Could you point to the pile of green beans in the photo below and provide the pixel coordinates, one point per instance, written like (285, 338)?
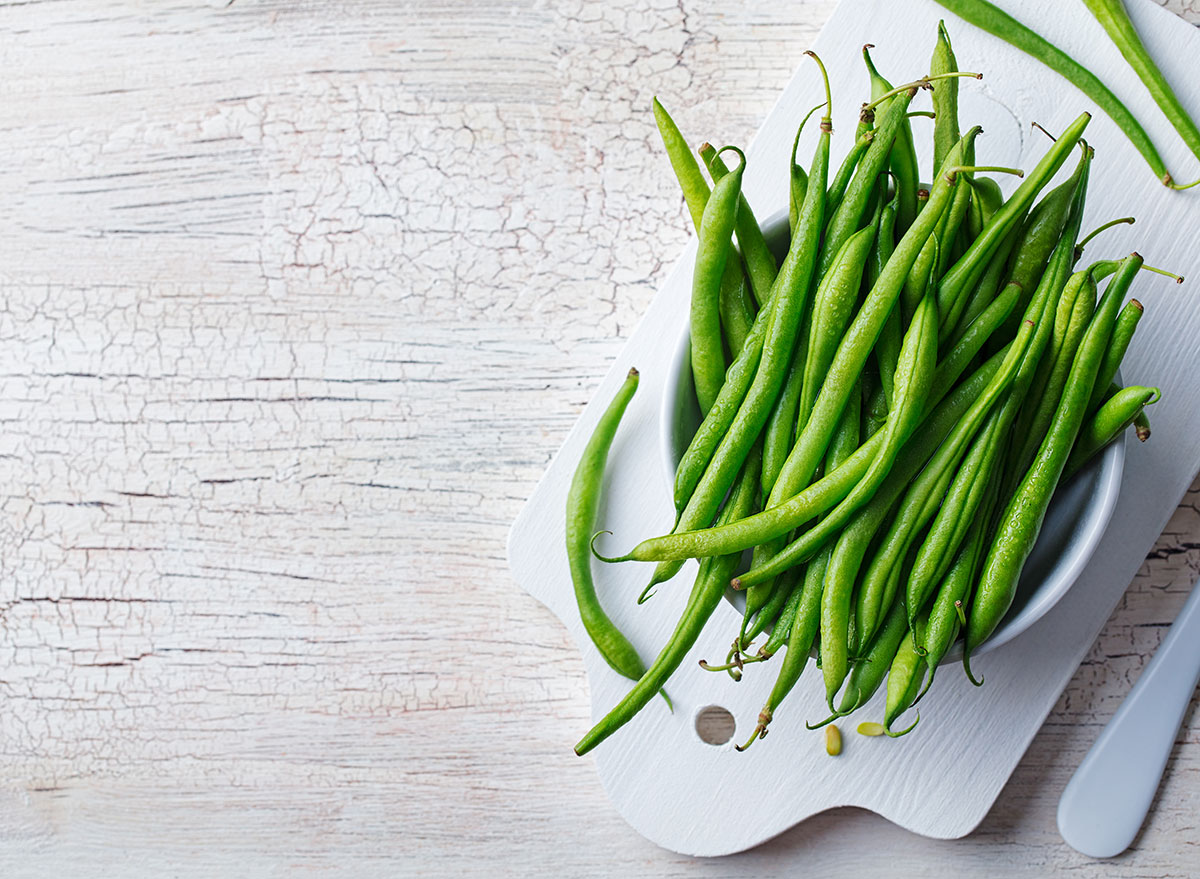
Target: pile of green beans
(887, 412)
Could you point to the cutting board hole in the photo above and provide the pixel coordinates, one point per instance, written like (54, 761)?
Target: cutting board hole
(715, 725)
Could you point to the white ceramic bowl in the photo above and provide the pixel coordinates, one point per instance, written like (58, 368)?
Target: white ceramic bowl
(1074, 524)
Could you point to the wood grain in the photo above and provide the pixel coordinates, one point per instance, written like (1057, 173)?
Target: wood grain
(300, 299)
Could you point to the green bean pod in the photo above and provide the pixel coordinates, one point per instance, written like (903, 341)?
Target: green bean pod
(736, 311)
(1022, 518)
(712, 253)
(1127, 322)
(905, 676)
(989, 282)
(760, 262)
(902, 159)
(583, 500)
(945, 98)
(707, 592)
(1107, 423)
(781, 426)
(683, 162)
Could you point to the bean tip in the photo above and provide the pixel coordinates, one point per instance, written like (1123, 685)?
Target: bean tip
(736, 583)
(633, 372)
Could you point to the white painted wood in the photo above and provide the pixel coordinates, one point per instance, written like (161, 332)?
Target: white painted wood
(940, 782)
(300, 299)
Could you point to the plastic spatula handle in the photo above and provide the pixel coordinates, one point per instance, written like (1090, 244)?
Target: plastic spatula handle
(1107, 799)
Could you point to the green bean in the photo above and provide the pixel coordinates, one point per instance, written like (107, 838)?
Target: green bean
(957, 281)
(875, 406)
(687, 169)
(707, 593)
(583, 500)
(823, 495)
(905, 676)
(1108, 423)
(1127, 321)
(760, 262)
(1000, 24)
(986, 199)
(737, 315)
(788, 299)
(797, 177)
(903, 157)
(716, 229)
(845, 171)
(1022, 518)
(945, 99)
(920, 276)
(1115, 20)
(781, 426)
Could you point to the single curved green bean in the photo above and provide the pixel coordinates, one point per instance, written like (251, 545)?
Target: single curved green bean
(1022, 518)
(707, 592)
(1127, 321)
(683, 162)
(945, 98)
(1107, 423)
(904, 678)
(1000, 24)
(761, 267)
(712, 253)
(583, 500)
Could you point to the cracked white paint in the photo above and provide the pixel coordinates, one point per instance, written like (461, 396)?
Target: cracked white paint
(299, 300)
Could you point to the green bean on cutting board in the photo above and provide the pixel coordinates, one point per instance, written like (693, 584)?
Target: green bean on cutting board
(888, 412)
(583, 500)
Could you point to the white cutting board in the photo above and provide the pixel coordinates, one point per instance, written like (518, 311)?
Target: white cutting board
(701, 799)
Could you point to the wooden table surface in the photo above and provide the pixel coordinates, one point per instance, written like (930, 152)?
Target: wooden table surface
(300, 298)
